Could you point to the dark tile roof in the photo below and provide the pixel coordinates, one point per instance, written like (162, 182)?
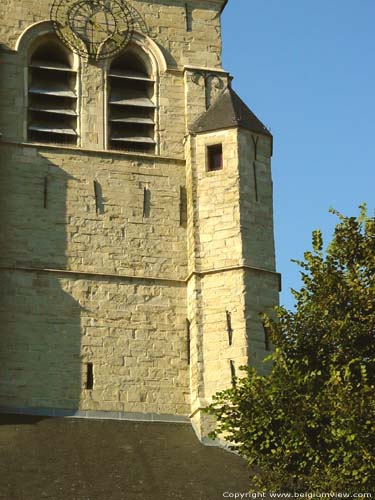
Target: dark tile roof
(228, 111)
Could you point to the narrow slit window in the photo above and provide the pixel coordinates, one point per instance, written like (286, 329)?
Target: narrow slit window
(45, 192)
(233, 372)
(146, 203)
(267, 343)
(255, 181)
(229, 328)
(52, 95)
(183, 206)
(89, 376)
(214, 157)
(98, 193)
(188, 340)
(188, 18)
(131, 107)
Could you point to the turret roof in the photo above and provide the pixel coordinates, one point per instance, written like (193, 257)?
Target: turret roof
(224, 5)
(228, 111)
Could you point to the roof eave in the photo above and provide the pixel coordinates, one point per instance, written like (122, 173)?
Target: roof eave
(269, 136)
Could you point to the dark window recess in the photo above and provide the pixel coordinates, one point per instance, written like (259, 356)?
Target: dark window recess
(146, 203)
(183, 206)
(233, 372)
(188, 340)
(52, 97)
(214, 157)
(229, 327)
(130, 105)
(89, 376)
(45, 192)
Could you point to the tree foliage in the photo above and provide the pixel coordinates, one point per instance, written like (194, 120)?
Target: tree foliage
(310, 424)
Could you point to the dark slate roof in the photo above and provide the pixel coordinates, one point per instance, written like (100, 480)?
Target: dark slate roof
(112, 459)
(228, 111)
(224, 5)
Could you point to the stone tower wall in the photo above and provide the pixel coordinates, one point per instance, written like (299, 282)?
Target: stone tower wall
(89, 277)
(117, 295)
(148, 291)
(133, 331)
(262, 283)
(231, 261)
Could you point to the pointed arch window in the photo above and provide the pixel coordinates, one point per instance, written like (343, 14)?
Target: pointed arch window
(52, 94)
(131, 106)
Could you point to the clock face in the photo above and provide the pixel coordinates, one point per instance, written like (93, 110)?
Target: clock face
(95, 28)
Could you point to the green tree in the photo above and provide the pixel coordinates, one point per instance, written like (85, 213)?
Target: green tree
(310, 424)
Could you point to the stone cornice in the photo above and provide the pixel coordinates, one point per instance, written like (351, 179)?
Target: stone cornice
(104, 152)
(111, 276)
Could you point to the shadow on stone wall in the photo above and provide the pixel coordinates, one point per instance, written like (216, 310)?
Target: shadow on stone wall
(40, 330)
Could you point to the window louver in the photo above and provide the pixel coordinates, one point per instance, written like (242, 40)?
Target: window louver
(52, 111)
(131, 108)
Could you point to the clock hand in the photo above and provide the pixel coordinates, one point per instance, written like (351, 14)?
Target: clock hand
(94, 24)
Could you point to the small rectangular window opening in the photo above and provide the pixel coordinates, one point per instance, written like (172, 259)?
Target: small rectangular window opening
(89, 376)
(214, 157)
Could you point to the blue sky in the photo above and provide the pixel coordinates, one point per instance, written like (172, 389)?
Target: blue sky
(306, 68)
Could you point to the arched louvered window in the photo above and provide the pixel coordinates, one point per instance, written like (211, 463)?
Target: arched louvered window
(52, 94)
(131, 105)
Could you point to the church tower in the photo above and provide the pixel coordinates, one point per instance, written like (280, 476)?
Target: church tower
(136, 213)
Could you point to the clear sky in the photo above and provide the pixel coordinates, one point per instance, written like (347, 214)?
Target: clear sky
(306, 68)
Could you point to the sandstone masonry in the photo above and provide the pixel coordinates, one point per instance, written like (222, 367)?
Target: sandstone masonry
(146, 268)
